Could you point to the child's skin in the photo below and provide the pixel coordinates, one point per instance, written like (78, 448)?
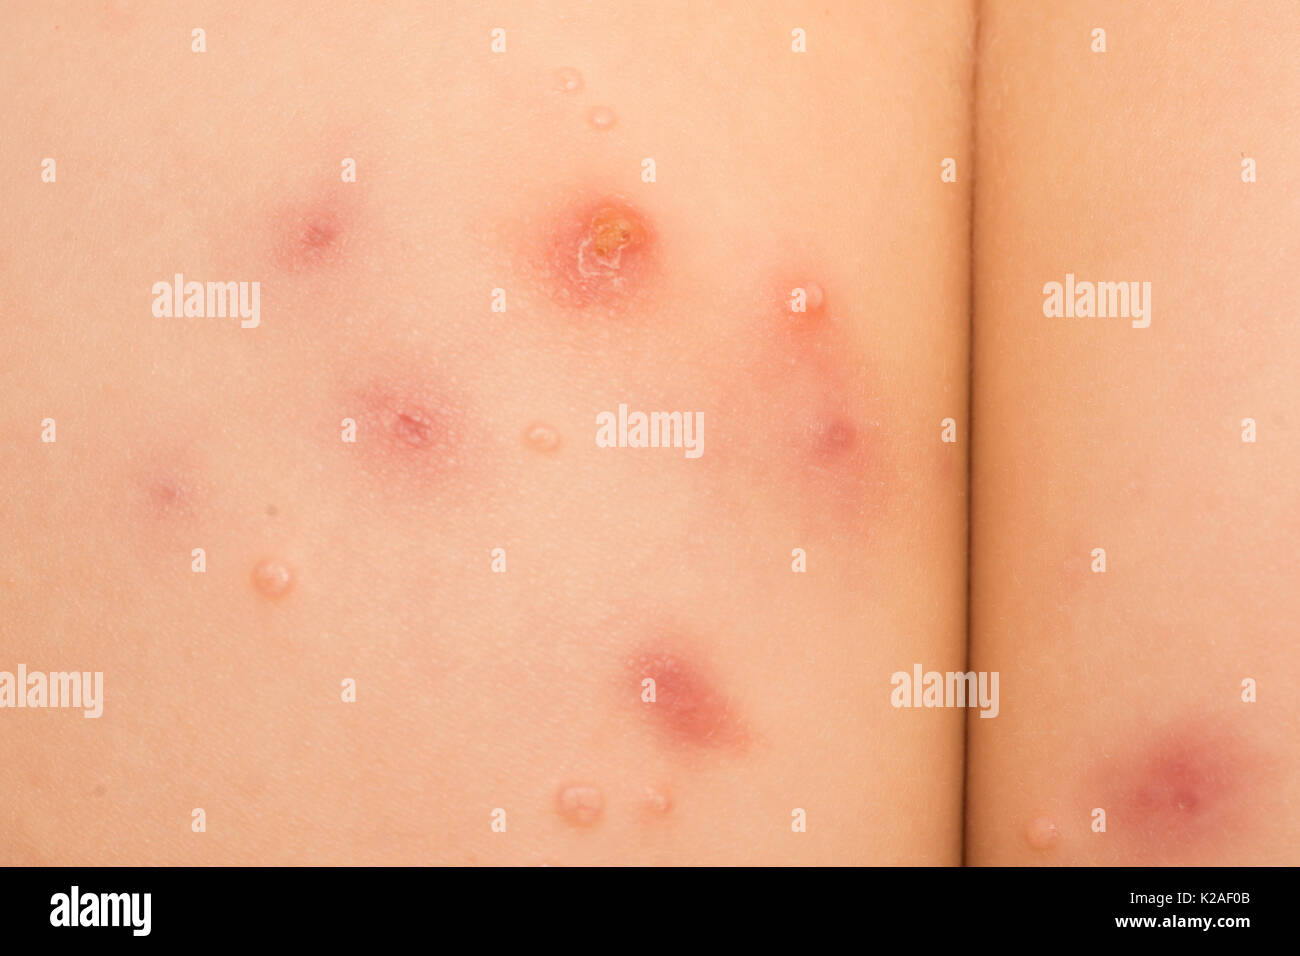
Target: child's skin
(475, 430)
(1122, 691)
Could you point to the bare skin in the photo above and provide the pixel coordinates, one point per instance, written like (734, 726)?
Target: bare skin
(1128, 691)
(373, 560)
(498, 587)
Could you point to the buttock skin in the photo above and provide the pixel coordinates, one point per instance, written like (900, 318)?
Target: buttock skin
(362, 584)
(1133, 535)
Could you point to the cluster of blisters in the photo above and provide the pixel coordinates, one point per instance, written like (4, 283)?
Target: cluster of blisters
(677, 702)
(593, 253)
(583, 804)
(580, 804)
(568, 80)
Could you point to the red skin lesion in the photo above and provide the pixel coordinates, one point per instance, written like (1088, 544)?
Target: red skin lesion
(807, 428)
(689, 710)
(598, 252)
(833, 437)
(803, 416)
(165, 496)
(413, 424)
(316, 232)
(310, 237)
(411, 428)
(1187, 789)
(170, 474)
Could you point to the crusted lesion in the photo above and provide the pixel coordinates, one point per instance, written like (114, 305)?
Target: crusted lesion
(597, 252)
(612, 231)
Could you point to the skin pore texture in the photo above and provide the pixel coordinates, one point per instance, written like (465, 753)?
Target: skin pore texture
(568, 654)
(1159, 692)
(395, 482)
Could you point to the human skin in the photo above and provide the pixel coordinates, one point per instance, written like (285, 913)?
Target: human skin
(1123, 691)
(480, 691)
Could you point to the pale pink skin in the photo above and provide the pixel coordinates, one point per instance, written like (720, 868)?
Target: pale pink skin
(1123, 691)
(479, 692)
